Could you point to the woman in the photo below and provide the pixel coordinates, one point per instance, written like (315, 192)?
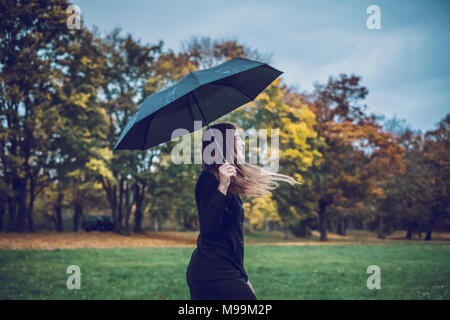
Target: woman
(216, 269)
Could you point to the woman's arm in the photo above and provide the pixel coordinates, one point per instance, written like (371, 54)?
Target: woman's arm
(213, 198)
(212, 203)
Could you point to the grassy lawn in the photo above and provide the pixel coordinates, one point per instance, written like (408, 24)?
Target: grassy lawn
(408, 271)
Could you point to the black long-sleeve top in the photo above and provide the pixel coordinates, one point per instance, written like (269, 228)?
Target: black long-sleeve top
(220, 244)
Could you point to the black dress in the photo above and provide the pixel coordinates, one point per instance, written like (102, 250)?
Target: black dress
(219, 256)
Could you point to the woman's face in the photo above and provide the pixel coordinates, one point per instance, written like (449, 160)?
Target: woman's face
(240, 145)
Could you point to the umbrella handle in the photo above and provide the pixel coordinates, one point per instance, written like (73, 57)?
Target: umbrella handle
(204, 118)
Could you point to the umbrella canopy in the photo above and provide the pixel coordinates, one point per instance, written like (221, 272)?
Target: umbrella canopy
(203, 95)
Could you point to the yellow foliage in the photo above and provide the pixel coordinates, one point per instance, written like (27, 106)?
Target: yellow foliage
(260, 210)
(166, 65)
(80, 99)
(99, 164)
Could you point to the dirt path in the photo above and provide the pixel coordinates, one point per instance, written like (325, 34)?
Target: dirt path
(74, 240)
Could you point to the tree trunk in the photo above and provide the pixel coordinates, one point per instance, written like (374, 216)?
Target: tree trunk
(138, 214)
(286, 232)
(120, 206)
(111, 192)
(127, 210)
(380, 227)
(21, 202)
(409, 233)
(78, 214)
(117, 228)
(30, 208)
(323, 226)
(266, 225)
(21, 214)
(58, 212)
(342, 227)
(2, 213)
(127, 221)
(431, 224)
(12, 216)
(323, 220)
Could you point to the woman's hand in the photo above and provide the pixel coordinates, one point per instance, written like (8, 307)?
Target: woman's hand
(251, 287)
(226, 171)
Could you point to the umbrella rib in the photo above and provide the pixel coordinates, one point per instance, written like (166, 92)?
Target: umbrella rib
(230, 86)
(193, 74)
(192, 113)
(242, 93)
(198, 107)
(237, 91)
(146, 132)
(125, 133)
(196, 79)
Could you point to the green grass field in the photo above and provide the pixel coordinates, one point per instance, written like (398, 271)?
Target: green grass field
(408, 271)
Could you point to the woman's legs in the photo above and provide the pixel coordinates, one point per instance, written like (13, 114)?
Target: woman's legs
(227, 289)
(198, 292)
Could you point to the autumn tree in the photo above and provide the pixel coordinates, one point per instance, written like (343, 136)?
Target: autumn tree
(282, 110)
(128, 67)
(437, 161)
(359, 157)
(48, 119)
(402, 203)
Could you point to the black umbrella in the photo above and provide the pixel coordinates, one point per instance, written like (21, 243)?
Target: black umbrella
(203, 95)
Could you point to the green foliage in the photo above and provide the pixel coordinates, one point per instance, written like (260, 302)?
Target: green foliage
(50, 124)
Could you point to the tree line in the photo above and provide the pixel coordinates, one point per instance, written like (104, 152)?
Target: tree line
(67, 94)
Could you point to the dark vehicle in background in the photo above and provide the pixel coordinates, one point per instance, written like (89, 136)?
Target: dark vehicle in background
(97, 223)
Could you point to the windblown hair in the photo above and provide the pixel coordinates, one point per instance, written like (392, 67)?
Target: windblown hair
(251, 181)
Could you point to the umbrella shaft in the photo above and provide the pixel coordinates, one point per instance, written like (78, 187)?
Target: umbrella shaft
(204, 118)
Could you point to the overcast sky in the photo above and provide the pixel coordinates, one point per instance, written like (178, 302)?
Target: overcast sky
(405, 64)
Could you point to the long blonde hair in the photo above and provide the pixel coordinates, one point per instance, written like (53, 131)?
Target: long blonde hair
(251, 181)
